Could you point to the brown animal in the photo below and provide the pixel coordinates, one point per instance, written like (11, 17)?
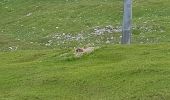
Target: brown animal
(79, 50)
(86, 50)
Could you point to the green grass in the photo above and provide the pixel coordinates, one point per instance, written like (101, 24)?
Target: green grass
(34, 70)
(137, 72)
(31, 21)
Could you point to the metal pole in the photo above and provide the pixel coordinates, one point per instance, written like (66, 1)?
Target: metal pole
(127, 18)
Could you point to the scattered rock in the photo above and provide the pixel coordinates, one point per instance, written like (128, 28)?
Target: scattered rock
(13, 48)
(29, 14)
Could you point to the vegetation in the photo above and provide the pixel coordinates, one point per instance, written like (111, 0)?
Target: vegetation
(37, 65)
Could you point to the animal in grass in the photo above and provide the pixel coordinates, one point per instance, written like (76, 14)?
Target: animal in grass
(79, 50)
(85, 50)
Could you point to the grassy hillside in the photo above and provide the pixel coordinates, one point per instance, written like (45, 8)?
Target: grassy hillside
(110, 73)
(37, 60)
(27, 24)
